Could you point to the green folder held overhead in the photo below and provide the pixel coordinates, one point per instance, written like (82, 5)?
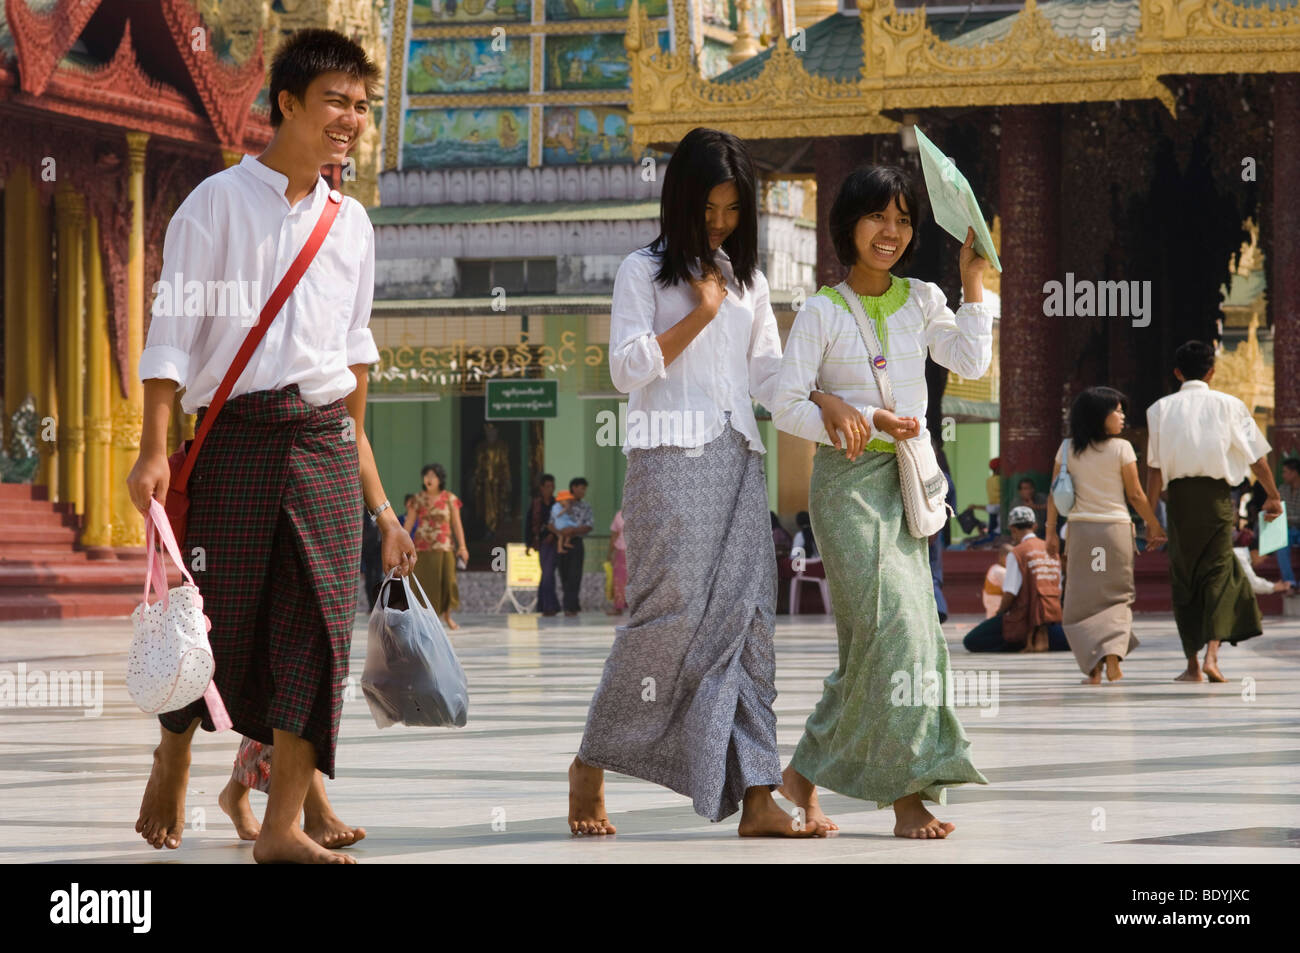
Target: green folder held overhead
(1272, 533)
(953, 200)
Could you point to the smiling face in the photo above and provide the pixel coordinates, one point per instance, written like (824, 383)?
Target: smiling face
(880, 238)
(722, 213)
(330, 119)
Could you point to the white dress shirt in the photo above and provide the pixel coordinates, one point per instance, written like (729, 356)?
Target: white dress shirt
(238, 226)
(1011, 581)
(1261, 587)
(732, 362)
(824, 352)
(1197, 431)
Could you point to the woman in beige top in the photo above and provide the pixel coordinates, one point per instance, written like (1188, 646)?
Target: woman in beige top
(1099, 588)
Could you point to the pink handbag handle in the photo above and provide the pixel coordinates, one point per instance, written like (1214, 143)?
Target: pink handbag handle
(158, 522)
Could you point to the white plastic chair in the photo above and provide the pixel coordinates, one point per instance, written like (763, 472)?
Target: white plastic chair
(795, 589)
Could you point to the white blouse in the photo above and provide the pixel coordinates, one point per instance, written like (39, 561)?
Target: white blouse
(825, 352)
(734, 361)
(231, 241)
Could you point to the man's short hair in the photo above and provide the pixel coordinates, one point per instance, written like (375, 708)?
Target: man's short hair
(306, 54)
(1024, 480)
(577, 481)
(1194, 360)
(1291, 463)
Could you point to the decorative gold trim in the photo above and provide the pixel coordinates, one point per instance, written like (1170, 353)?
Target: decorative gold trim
(595, 97)
(396, 84)
(538, 64)
(907, 67)
(534, 136)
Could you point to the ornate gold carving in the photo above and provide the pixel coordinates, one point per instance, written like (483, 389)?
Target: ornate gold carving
(906, 66)
(100, 429)
(128, 531)
(127, 421)
(396, 83)
(72, 438)
(136, 143)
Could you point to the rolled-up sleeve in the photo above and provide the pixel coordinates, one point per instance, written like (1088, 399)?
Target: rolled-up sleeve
(361, 342)
(805, 349)
(961, 342)
(1247, 434)
(187, 257)
(635, 358)
(764, 346)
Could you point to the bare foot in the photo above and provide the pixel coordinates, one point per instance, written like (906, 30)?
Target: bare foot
(1094, 677)
(587, 813)
(761, 816)
(1113, 674)
(233, 799)
(803, 793)
(1212, 672)
(294, 847)
(1192, 674)
(162, 810)
(911, 819)
(451, 623)
(329, 831)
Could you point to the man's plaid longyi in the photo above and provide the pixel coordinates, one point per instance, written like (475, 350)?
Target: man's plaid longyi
(274, 502)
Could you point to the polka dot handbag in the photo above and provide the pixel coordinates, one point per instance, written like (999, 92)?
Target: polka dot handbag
(170, 663)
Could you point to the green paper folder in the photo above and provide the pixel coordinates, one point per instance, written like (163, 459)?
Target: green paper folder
(1272, 535)
(953, 200)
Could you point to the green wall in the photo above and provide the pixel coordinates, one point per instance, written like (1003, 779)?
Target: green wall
(408, 434)
(968, 457)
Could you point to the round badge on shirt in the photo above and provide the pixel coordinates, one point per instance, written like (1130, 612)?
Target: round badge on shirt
(879, 362)
(336, 196)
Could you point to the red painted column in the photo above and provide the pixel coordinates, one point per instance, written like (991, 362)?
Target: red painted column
(1284, 265)
(1029, 172)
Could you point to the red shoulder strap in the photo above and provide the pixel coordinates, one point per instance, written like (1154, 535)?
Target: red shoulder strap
(268, 314)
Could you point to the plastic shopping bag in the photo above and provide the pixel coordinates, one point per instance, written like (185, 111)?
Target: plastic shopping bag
(412, 674)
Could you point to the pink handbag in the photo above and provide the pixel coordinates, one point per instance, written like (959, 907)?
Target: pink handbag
(169, 664)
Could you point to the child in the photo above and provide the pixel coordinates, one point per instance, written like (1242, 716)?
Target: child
(563, 521)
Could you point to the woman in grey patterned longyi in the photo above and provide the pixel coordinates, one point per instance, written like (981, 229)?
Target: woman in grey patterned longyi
(686, 696)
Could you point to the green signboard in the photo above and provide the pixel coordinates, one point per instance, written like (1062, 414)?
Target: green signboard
(522, 399)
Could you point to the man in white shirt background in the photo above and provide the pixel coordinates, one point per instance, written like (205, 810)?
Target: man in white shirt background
(276, 486)
(1201, 443)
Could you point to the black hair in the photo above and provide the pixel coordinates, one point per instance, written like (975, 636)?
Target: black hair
(867, 190)
(776, 520)
(306, 54)
(1023, 480)
(804, 523)
(577, 481)
(1088, 416)
(703, 160)
(437, 470)
(1194, 359)
(544, 477)
(1291, 462)
(409, 498)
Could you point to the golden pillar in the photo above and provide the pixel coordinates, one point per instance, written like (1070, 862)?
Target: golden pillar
(97, 527)
(15, 278)
(28, 313)
(70, 225)
(128, 412)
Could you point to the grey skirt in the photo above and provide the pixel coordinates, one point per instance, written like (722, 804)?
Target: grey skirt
(686, 697)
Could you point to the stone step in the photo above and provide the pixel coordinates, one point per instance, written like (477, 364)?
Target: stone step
(66, 605)
(23, 491)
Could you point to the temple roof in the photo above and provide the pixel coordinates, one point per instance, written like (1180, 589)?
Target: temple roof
(1072, 18)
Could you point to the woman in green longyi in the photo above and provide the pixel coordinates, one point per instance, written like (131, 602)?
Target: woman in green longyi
(867, 738)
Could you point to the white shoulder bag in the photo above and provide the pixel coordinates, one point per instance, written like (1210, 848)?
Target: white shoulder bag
(170, 663)
(924, 487)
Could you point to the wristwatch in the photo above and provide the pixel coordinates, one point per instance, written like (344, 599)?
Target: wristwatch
(379, 509)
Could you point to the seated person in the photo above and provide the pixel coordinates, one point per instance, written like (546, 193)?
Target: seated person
(1249, 559)
(1029, 616)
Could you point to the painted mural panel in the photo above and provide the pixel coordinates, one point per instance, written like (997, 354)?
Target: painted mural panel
(580, 134)
(455, 65)
(443, 12)
(597, 9)
(593, 61)
(441, 138)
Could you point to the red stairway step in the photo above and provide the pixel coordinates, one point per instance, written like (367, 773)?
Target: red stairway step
(67, 606)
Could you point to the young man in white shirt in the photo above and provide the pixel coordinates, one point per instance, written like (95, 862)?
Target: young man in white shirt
(1201, 443)
(274, 492)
